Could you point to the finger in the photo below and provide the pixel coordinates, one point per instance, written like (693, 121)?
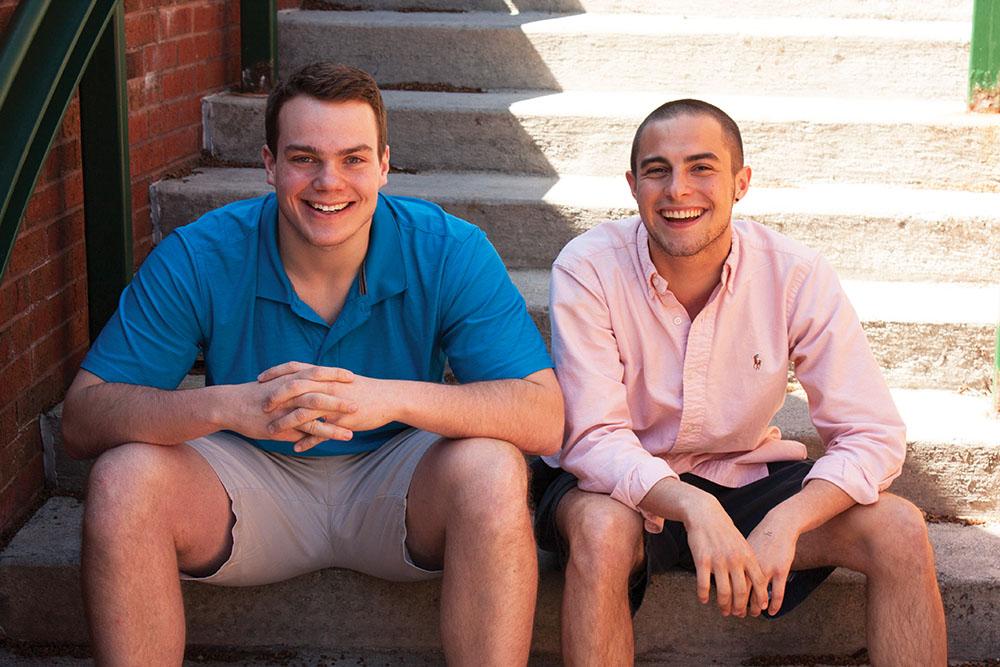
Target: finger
(777, 593)
(286, 390)
(740, 592)
(704, 576)
(723, 590)
(311, 440)
(758, 599)
(328, 407)
(286, 368)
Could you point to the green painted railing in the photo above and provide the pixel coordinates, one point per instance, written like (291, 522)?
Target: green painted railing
(49, 49)
(258, 45)
(984, 56)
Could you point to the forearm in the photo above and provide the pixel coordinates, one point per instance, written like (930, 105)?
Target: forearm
(528, 412)
(817, 502)
(104, 415)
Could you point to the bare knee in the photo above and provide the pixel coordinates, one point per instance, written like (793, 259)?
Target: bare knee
(896, 538)
(605, 536)
(123, 486)
(486, 479)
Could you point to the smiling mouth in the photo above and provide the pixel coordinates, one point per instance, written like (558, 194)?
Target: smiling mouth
(328, 208)
(681, 216)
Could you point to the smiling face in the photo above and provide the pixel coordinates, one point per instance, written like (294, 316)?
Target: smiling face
(326, 172)
(685, 186)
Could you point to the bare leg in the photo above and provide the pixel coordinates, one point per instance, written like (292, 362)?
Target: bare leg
(605, 539)
(467, 510)
(151, 510)
(887, 541)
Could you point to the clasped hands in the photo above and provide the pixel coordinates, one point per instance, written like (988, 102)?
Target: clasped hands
(307, 404)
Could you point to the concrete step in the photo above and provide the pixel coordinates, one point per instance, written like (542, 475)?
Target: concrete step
(866, 231)
(378, 615)
(946, 10)
(769, 55)
(948, 345)
(788, 140)
(952, 466)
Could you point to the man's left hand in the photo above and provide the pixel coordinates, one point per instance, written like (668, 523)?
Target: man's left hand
(774, 546)
(311, 393)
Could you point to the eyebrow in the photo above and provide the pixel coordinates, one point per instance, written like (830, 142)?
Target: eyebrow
(306, 148)
(690, 158)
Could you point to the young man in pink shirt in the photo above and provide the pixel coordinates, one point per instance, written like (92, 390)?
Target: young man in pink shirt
(672, 335)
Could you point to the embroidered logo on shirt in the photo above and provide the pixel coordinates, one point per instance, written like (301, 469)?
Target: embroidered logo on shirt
(756, 362)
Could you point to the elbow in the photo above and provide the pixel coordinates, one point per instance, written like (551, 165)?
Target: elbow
(70, 429)
(550, 433)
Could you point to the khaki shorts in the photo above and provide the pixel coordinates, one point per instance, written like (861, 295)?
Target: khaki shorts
(297, 514)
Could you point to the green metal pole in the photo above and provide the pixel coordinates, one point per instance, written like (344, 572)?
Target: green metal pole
(258, 45)
(984, 57)
(107, 184)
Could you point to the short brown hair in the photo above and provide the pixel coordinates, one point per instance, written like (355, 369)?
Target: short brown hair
(672, 109)
(329, 82)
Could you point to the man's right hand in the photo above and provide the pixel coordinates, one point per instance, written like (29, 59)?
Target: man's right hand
(718, 549)
(245, 412)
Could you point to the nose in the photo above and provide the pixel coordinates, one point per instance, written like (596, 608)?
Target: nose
(677, 184)
(327, 177)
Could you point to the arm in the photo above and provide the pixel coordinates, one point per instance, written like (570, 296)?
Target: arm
(98, 415)
(525, 412)
(853, 412)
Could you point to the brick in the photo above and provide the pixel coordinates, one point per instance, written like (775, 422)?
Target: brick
(159, 57)
(55, 199)
(179, 83)
(16, 379)
(21, 493)
(211, 17)
(15, 297)
(140, 192)
(17, 454)
(211, 75)
(8, 423)
(28, 251)
(59, 271)
(175, 21)
(140, 29)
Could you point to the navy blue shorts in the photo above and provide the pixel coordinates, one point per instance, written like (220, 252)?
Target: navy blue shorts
(746, 505)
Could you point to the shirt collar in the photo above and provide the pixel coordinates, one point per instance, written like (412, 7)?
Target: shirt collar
(657, 285)
(382, 275)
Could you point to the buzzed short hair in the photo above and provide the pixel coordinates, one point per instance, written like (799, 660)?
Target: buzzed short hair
(329, 82)
(691, 107)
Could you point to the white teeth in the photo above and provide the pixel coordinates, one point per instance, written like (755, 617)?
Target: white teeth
(329, 209)
(684, 214)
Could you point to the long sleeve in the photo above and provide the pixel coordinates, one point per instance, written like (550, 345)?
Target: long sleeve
(849, 402)
(601, 448)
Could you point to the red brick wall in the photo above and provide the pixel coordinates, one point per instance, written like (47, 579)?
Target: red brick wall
(176, 52)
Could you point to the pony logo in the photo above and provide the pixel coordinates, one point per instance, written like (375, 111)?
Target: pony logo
(756, 362)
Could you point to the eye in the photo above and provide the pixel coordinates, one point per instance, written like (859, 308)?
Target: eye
(302, 159)
(702, 168)
(656, 171)
(354, 160)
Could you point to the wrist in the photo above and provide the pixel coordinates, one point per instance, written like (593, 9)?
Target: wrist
(215, 403)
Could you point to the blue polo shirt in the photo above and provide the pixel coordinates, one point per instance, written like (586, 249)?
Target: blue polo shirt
(432, 288)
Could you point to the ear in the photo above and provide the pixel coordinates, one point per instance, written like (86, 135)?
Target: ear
(269, 164)
(384, 168)
(742, 183)
(632, 182)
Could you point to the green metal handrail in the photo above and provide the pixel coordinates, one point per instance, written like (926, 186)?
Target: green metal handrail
(258, 45)
(984, 53)
(49, 49)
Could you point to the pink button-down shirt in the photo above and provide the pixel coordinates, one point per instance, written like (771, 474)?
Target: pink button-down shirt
(651, 394)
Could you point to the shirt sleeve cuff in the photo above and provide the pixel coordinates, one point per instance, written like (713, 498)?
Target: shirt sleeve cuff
(637, 483)
(852, 479)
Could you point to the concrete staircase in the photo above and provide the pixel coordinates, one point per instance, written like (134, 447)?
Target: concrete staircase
(853, 117)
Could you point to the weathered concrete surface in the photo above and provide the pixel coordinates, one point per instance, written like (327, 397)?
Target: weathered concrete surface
(540, 51)
(789, 141)
(867, 232)
(952, 466)
(337, 609)
(907, 10)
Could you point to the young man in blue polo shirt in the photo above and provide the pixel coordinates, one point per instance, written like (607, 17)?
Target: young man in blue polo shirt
(325, 313)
